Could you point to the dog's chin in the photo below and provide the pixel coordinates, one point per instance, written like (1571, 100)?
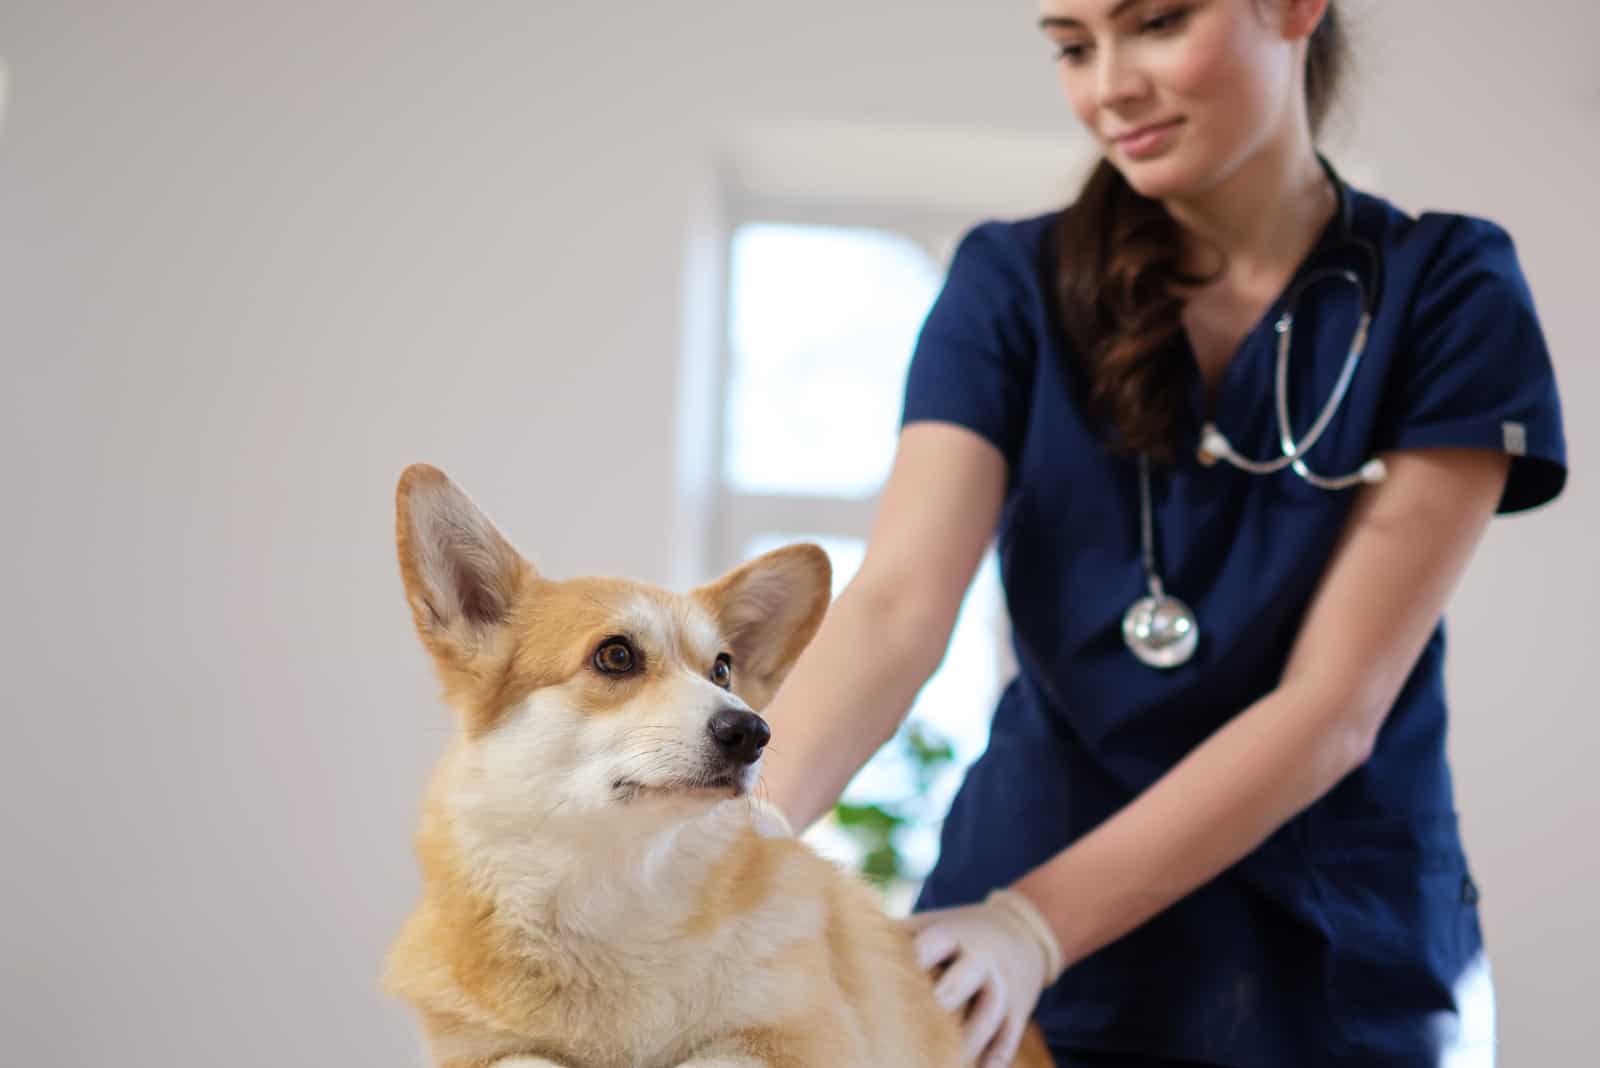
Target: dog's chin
(721, 786)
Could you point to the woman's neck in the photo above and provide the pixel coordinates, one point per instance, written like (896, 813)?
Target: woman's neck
(1263, 219)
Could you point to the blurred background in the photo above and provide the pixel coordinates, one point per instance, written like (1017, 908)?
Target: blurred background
(644, 280)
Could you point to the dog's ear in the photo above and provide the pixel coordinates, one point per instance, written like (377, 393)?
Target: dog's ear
(462, 577)
(768, 611)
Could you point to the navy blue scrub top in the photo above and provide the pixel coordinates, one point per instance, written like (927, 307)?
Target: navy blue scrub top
(1342, 938)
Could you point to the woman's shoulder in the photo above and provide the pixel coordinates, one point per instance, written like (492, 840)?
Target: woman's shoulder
(1023, 232)
(1427, 243)
(979, 345)
(1006, 259)
(1471, 366)
(1006, 242)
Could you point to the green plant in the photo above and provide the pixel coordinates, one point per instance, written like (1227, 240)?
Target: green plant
(878, 827)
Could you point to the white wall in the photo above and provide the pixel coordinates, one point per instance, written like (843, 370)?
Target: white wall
(254, 258)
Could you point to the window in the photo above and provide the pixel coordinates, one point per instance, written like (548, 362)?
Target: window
(822, 322)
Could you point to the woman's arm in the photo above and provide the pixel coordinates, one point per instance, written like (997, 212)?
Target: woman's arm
(1407, 542)
(888, 630)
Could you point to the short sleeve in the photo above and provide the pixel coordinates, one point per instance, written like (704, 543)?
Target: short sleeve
(974, 356)
(1475, 371)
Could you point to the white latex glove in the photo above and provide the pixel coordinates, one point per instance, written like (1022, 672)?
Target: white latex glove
(998, 956)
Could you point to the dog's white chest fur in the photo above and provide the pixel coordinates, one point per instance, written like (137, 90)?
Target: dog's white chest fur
(617, 910)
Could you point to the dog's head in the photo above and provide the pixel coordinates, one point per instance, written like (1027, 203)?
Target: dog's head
(595, 693)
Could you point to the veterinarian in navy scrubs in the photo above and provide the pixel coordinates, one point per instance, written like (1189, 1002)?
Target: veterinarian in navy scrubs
(1238, 428)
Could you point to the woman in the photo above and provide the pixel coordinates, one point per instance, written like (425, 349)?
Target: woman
(1219, 831)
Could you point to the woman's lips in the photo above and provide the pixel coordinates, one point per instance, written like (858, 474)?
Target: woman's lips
(1147, 140)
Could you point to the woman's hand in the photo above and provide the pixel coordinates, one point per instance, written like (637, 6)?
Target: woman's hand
(998, 957)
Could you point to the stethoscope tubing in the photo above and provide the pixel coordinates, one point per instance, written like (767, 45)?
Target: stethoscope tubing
(1215, 446)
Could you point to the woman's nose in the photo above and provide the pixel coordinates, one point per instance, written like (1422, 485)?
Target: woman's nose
(1118, 79)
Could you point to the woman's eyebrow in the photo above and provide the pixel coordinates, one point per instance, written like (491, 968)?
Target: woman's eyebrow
(1064, 22)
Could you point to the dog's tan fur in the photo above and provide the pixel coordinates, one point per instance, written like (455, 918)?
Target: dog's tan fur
(587, 903)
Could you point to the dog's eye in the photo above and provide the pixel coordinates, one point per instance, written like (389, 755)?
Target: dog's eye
(722, 671)
(615, 656)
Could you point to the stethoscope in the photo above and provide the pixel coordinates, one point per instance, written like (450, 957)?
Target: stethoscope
(1160, 629)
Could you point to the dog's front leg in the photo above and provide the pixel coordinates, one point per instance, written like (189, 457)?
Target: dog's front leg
(526, 1062)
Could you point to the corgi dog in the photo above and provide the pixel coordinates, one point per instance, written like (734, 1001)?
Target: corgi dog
(600, 889)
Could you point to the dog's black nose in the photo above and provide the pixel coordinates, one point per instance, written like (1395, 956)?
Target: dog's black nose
(740, 734)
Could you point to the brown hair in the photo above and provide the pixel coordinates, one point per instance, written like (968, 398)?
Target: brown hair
(1118, 261)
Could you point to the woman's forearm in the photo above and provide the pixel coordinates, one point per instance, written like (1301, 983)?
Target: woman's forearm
(888, 630)
(847, 694)
(1404, 550)
(1211, 810)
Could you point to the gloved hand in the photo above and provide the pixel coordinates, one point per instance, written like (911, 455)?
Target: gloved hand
(998, 956)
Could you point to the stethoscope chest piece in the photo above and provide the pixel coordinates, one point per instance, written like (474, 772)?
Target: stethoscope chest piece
(1161, 631)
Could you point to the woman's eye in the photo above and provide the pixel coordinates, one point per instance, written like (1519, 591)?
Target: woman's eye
(722, 671)
(615, 657)
(1072, 53)
(1166, 21)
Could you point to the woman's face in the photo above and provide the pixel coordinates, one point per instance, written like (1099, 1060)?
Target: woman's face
(1179, 93)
